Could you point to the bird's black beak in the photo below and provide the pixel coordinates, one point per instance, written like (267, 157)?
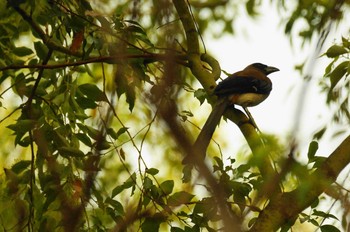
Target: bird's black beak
(270, 69)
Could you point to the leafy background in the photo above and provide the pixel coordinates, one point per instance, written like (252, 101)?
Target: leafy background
(99, 105)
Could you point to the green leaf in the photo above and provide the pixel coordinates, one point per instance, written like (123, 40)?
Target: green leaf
(147, 183)
(329, 228)
(152, 171)
(180, 198)
(22, 51)
(320, 133)
(86, 103)
(21, 128)
(111, 132)
(286, 228)
(122, 153)
(125, 83)
(219, 162)
(176, 229)
(59, 138)
(318, 161)
(345, 42)
(23, 125)
(59, 99)
(150, 224)
(130, 182)
(41, 50)
(187, 173)
(130, 98)
(313, 147)
(70, 151)
(167, 187)
(338, 73)
(243, 168)
(92, 132)
(323, 214)
(251, 7)
(336, 50)
(208, 207)
(21, 166)
(315, 203)
(117, 190)
(201, 95)
(135, 29)
(84, 139)
(92, 92)
(117, 206)
(121, 131)
(102, 145)
(20, 85)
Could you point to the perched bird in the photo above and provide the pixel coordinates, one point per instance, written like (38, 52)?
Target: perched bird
(246, 88)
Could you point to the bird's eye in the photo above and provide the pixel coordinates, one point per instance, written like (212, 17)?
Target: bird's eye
(260, 66)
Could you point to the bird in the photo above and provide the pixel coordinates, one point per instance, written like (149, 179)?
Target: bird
(246, 88)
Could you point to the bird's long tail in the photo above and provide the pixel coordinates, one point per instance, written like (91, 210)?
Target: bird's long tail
(203, 139)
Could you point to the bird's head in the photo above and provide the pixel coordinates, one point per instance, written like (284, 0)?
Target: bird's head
(263, 68)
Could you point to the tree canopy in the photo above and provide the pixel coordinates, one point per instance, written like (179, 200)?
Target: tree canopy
(99, 105)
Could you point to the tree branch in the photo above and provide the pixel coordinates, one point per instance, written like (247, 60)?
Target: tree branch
(207, 80)
(280, 210)
(44, 37)
(149, 58)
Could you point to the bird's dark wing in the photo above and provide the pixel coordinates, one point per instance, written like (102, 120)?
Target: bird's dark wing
(242, 84)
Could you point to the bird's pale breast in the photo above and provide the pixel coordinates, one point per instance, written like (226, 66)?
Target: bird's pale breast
(247, 99)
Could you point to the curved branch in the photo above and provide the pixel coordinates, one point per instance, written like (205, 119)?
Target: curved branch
(194, 54)
(280, 210)
(214, 64)
(207, 80)
(230, 221)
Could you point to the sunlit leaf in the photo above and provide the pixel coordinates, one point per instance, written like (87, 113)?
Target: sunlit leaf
(313, 147)
(337, 74)
(120, 132)
(329, 228)
(22, 125)
(167, 187)
(41, 50)
(152, 171)
(323, 214)
(22, 51)
(70, 151)
(180, 198)
(336, 50)
(201, 95)
(187, 173)
(21, 166)
(150, 224)
(176, 229)
(130, 182)
(102, 144)
(84, 138)
(117, 206)
(92, 92)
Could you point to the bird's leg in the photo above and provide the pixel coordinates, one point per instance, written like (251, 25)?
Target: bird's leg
(251, 119)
